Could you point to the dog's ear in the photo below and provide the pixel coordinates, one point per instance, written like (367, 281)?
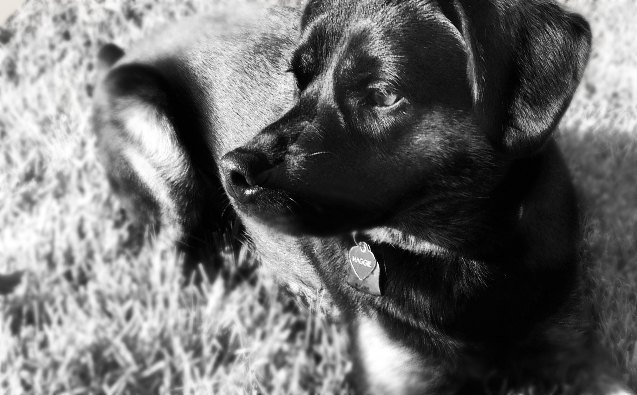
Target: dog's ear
(312, 9)
(108, 55)
(526, 58)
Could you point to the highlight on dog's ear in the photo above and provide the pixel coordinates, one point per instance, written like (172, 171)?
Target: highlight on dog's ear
(108, 55)
(526, 58)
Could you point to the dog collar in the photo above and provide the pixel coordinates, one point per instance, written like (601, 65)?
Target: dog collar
(364, 269)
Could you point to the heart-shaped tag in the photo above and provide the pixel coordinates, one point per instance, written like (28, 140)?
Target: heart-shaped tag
(362, 260)
(364, 270)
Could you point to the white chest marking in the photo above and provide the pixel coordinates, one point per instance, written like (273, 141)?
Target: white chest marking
(391, 368)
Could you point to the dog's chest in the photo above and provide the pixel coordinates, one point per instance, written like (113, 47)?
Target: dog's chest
(389, 367)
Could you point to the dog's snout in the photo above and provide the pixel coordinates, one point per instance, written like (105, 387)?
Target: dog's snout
(242, 171)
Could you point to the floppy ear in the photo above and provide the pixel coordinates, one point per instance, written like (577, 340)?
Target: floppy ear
(108, 55)
(526, 58)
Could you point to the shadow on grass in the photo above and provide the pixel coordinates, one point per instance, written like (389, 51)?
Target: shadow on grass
(604, 168)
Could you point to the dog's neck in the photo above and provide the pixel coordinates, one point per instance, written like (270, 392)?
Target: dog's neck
(428, 262)
(414, 242)
(480, 228)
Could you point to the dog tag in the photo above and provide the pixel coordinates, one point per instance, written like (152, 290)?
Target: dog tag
(364, 270)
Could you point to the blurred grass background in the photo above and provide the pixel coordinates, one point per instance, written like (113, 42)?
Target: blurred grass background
(96, 316)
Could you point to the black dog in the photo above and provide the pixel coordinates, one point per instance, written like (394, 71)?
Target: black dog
(396, 155)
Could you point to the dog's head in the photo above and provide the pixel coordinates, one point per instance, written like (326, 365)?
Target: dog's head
(407, 106)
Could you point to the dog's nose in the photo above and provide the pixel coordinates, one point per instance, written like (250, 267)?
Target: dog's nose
(242, 171)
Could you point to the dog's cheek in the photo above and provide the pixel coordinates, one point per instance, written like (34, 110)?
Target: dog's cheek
(368, 174)
(443, 149)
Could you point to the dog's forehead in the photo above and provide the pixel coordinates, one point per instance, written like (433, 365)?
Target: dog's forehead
(328, 23)
(400, 43)
(342, 13)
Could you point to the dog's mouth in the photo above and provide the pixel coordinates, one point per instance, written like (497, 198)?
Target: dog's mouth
(294, 214)
(264, 196)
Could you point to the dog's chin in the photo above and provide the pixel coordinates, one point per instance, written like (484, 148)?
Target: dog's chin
(298, 216)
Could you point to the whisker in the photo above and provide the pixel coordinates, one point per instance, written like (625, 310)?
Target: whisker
(226, 207)
(319, 153)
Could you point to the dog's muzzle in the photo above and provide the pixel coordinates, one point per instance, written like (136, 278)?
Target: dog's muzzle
(261, 188)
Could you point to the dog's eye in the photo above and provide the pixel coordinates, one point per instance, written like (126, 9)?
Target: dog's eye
(384, 98)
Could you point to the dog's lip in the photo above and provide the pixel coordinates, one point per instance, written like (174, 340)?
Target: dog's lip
(297, 215)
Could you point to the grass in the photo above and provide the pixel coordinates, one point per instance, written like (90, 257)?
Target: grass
(96, 316)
